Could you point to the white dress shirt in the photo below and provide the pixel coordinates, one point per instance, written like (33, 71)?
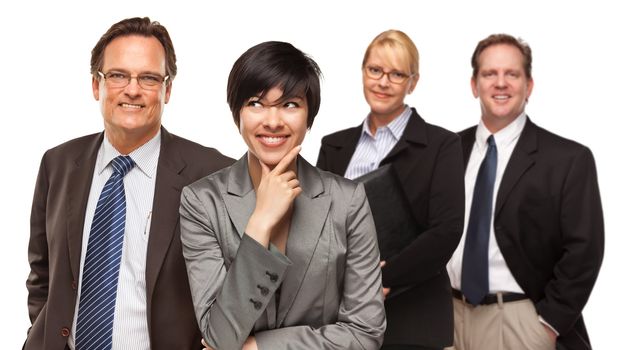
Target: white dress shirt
(371, 149)
(500, 279)
(130, 327)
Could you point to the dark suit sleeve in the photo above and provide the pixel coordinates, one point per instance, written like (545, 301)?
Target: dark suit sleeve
(37, 282)
(428, 254)
(582, 232)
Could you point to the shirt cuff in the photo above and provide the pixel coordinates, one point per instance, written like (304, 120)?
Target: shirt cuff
(548, 325)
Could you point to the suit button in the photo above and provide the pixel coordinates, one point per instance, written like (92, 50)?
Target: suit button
(256, 304)
(65, 332)
(263, 290)
(74, 285)
(273, 276)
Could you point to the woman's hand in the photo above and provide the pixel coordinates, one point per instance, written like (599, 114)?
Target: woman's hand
(275, 194)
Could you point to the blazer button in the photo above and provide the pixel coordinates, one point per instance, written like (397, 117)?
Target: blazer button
(263, 290)
(65, 332)
(273, 276)
(256, 304)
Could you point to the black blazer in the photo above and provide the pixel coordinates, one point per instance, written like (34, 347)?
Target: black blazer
(549, 226)
(54, 250)
(428, 161)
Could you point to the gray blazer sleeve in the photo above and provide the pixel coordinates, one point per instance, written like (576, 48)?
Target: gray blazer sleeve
(361, 319)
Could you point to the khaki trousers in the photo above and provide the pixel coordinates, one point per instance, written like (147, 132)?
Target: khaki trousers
(501, 326)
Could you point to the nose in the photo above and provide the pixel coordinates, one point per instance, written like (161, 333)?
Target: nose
(133, 89)
(383, 81)
(273, 120)
(501, 81)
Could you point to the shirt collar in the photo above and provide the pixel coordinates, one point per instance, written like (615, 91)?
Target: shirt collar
(145, 156)
(396, 127)
(503, 137)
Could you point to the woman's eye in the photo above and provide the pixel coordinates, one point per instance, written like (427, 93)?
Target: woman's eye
(254, 103)
(291, 104)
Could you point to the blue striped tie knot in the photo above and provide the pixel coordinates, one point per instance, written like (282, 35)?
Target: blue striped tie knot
(99, 285)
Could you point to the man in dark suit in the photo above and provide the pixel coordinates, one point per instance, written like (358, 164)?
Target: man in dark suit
(427, 162)
(534, 236)
(146, 300)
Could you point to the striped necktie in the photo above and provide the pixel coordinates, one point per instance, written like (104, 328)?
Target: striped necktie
(94, 325)
(475, 257)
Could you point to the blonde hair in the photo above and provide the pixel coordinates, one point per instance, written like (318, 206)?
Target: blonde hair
(397, 44)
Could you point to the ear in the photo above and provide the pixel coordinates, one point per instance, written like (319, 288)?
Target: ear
(168, 90)
(530, 86)
(474, 87)
(413, 81)
(96, 88)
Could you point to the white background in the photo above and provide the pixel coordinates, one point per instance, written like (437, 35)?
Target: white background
(579, 67)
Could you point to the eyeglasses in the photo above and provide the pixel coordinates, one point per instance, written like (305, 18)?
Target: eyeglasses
(394, 76)
(115, 79)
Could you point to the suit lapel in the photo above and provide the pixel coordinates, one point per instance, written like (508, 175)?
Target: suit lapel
(345, 144)
(520, 161)
(415, 133)
(467, 138)
(309, 216)
(81, 179)
(240, 197)
(165, 218)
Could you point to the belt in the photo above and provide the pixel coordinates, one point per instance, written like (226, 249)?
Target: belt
(492, 298)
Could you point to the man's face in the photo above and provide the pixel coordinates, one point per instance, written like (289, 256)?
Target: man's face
(501, 85)
(132, 111)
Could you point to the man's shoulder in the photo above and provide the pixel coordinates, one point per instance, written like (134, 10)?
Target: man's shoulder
(197, 155)
(550, 142)
(72, 148)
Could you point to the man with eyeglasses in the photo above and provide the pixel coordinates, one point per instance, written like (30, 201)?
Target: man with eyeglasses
(107, 270)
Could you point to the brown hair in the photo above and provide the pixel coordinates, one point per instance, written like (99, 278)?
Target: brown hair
(503, 39)
(136, 26)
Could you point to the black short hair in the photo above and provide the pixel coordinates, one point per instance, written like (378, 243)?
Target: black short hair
(274, 64)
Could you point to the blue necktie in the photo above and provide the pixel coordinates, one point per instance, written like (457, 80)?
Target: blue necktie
(94, 325)
(475, 256)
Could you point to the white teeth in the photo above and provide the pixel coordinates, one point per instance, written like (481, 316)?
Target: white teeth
(268, 139)
(500, 97)
(128, 105)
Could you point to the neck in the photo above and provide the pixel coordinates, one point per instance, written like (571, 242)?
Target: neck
(127, 142)
(377, 120)
(496, 124)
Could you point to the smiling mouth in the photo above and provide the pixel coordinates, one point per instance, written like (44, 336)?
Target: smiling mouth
(501, 97)
(272, 141)
(380, 94)
(130, 105)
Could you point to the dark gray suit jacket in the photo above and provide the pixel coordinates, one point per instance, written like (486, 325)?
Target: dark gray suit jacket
(325, 293)
(54, 250)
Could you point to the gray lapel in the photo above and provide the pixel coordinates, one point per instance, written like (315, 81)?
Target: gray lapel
(240, 197)
(309, 216)
(169, 181)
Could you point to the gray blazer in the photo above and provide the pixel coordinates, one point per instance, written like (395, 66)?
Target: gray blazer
(325, 293)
